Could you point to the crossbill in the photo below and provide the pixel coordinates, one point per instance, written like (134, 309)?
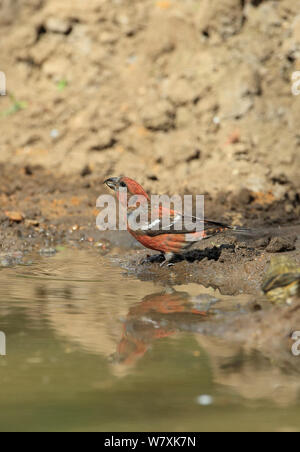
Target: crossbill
(157, 236)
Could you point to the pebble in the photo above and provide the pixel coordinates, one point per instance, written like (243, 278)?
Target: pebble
(261, 243)
(103, 247)
(54, 134)
(15, 216)
(281, 244)
(11, 259)
(57, 25)
(48, 252)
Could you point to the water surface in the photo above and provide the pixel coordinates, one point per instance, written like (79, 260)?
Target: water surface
(91, 348)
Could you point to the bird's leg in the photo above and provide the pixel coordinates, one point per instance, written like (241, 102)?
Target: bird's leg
(147, 260)
(151, 259)
(168, 259)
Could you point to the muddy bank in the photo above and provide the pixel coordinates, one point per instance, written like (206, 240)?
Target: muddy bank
(39, 207)
(192, 96)
(231, 264)
(62, 211)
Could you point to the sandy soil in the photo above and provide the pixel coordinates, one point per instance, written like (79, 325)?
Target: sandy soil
(189, 95)
(186, 96)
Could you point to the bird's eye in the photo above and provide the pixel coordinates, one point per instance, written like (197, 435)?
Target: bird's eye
(122, 184)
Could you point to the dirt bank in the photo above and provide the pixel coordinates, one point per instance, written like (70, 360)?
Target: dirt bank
(191, 96)
(185, 96)
(39, 208)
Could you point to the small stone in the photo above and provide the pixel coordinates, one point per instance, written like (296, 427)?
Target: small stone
(14, 216)
(11, 259)
(54, 134)
(281, 244)
(48, 252)
(57, 25)
(86, 171)
(103, 247)
(30, 223)
(261, 243)
(28, 170)
(289, 208)
(108, 37)
(244, 197)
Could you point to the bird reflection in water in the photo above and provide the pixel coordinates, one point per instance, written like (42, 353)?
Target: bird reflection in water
(157, 316)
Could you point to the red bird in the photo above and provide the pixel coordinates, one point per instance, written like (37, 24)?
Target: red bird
(168, 240)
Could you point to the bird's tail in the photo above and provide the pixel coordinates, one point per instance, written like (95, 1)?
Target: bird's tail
(247, 232)
(241, 230)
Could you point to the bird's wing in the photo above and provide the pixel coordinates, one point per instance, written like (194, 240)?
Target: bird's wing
(175, 223)
(197, 228)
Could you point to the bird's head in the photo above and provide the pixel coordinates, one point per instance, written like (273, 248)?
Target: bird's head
(124, 185)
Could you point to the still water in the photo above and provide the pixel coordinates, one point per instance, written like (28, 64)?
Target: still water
(90, 348)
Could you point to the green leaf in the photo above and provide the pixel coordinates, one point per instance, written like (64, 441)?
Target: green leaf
(62, 84)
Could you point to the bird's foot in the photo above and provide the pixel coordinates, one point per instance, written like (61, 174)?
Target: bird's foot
(168, 260)
(166, 263)
(152, 259)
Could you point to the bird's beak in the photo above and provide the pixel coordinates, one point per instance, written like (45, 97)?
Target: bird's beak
(112, 182)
